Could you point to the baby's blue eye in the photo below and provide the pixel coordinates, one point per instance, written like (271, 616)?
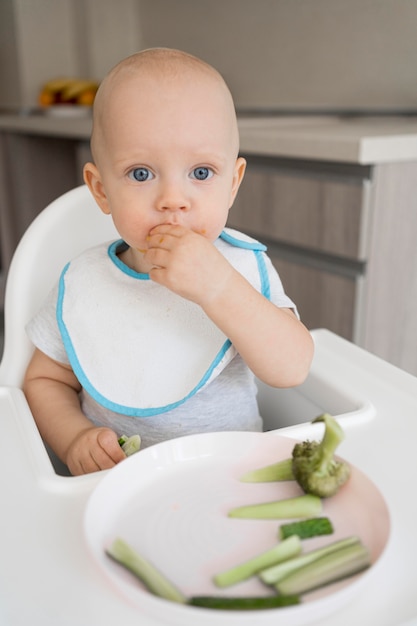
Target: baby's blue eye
(202, 173)
(141, 174)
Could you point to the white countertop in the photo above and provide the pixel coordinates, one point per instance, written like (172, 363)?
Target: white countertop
(49, 125)
(362, 140)
(47, 577)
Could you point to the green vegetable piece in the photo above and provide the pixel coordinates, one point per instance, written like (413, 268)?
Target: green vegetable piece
(315, 468)
(130, 445)
(285, 550)
(243, 604)
(149, 575)
(306, 505)
(307, 528)
(270, 473)
(328, 569)
(276, 573)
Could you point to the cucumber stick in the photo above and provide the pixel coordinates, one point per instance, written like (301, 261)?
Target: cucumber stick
(306, 528)
(301, 506)
(130, 445)
(273, 575)
(276, 573)
(270, 473)
(328, 569)
(243, 603)
(286, 549)
(150, 576)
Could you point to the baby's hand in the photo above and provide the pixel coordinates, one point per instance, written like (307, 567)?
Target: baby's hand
(92, 450)
(186, 262)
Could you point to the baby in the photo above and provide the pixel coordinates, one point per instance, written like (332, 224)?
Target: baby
(162, 332)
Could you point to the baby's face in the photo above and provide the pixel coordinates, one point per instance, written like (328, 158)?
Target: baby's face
(168, 155)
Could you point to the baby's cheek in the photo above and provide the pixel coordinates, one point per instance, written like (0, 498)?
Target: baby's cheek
(208, 233)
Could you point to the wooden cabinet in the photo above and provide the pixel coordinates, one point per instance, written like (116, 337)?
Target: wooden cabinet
(342, 238)
(324, 299)
(314, 220)
(320, 210)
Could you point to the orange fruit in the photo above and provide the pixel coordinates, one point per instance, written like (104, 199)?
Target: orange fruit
(46, 98)
(87, 97)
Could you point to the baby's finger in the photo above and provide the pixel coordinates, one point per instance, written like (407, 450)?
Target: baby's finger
(109, 449)
(158, 241)
(166, 240)
(87, 466)
(157, 257)
(100, 459)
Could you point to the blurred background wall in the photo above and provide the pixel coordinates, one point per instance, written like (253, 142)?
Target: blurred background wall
(275, 54)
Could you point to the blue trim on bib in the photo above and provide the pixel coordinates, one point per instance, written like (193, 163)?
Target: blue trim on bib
(258, 248)
(263, 274)
(241, 243)
(112, 252)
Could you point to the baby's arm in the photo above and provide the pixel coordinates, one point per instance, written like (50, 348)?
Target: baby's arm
(52, 389)
(272, 341)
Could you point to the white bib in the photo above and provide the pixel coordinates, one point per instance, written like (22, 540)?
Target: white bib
(135, 346)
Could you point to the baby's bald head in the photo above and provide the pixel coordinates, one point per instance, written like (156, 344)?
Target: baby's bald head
(158, 71)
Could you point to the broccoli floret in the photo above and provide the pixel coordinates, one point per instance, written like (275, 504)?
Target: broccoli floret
(313, 463)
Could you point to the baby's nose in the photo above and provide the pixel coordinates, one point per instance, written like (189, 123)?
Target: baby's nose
(173, 198)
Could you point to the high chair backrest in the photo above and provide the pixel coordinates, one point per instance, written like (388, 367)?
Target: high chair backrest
(70, 224)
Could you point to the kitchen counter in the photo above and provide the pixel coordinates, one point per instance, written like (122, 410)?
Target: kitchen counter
(362, 140)
(49, 125)
(48, 578)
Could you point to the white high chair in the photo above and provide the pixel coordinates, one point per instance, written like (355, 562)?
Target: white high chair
(66, 227)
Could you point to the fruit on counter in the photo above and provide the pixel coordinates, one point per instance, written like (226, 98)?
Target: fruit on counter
(313, 464)
(68, 91)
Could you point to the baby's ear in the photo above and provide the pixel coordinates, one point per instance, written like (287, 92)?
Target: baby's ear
(93, 181)
(239, 172)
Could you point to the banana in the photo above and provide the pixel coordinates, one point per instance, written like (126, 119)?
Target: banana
(57, 84)
(77, 87)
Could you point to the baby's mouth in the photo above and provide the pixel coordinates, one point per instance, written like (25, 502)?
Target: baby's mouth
(199, 231)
